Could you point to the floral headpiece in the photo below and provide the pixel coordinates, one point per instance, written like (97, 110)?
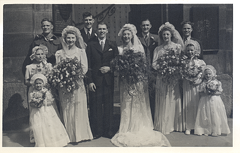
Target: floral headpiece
(167, 25)
(130, 27)
(77, 34)
(36, 48)
(195, 44)
(176, 37)
(38, 76)
(211, 68)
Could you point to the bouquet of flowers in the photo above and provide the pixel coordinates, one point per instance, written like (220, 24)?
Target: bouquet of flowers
(66, 74)
(169, 65)
(212, 87)
(189, 70)
(37, 99)
(131, 67)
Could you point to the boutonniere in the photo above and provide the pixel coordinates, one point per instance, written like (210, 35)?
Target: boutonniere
(152, 37)
(110, 49)
(51, 39)
(95, 34)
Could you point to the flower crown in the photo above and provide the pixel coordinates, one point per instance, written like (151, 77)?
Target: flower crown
(195, 44)
(211, 68)
(168, 26)
(36, 48)
(130, 27)
(38, 76)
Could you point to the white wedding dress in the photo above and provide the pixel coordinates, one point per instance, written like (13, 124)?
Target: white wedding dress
(136, 127)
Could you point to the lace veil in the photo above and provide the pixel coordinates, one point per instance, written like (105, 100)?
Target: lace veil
(78, 35)
(176, 37)
(136, 43)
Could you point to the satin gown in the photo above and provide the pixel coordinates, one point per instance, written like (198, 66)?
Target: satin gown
(74, 105)
(168, 107)
(190, 100)
(47, 128)
(136, 127)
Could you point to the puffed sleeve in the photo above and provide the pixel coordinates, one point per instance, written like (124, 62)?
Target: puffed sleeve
(84, 61)
(220, 89)
(155, 58)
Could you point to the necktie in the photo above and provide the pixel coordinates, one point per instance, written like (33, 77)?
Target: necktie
(88, 34)
(102, 45)
(146, 39)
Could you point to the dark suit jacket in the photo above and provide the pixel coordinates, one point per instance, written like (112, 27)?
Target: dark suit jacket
(152, 44)
(85, 37)
(97, 59)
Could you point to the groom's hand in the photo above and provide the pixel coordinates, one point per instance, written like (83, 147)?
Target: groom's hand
(104, 69)
(92, 87)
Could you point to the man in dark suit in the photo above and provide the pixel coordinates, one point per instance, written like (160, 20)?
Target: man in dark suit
(149, 42)
(87, 32)
(187, 28)
(100, 51)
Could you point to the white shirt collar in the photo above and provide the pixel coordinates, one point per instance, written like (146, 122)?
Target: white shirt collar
(86, 30)
(104, 40)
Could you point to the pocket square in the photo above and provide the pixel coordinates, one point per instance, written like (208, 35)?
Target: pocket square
(110, 49)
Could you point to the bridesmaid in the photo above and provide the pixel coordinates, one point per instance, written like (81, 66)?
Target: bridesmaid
(190, 92)
(168, 109)
(74, 105)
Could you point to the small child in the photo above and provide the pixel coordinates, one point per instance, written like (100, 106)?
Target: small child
(47, 128)
(193, 69)
(211, 116)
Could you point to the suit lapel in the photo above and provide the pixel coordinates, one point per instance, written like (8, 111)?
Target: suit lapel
(106, 46)
(151, 40)
(97, 46)
(142, 40)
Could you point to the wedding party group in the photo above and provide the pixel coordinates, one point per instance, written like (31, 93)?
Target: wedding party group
(164, 85)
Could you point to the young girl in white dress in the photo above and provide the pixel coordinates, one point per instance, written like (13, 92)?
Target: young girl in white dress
(47, 128)
(190, 93)
(211, 115)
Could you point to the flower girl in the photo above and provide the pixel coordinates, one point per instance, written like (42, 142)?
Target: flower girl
(192, 73)
(211, 115)
(47, 128)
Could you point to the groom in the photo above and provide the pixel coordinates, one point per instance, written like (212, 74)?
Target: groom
(100, 51)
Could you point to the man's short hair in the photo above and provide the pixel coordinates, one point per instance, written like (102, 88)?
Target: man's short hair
(145, 19)
(47, 19)
(86, 14)
(102, 23)
(187, 22)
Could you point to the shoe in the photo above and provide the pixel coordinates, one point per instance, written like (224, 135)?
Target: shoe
(214, 135)
(187, 132)
(108, 135)
(206, 134)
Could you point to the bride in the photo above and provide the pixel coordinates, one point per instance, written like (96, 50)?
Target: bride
(136, 127)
